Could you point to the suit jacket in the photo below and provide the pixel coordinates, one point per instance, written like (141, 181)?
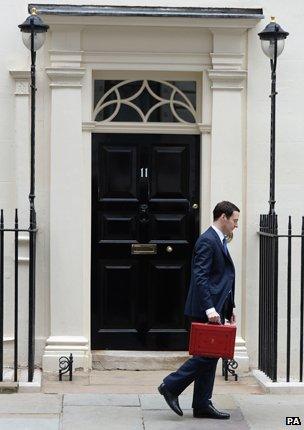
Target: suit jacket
(212, 276)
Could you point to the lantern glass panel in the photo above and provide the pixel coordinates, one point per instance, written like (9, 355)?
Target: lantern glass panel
(268, 47)
(39, 39)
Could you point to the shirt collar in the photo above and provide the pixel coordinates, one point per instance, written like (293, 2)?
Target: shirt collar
(219, 233)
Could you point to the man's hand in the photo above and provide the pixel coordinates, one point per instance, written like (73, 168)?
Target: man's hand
(214, 317)
(233, 319)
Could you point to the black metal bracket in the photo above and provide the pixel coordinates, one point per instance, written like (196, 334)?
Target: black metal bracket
(229, 366)
(65, 366)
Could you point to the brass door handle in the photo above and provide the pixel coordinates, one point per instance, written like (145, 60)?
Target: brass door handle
(169, 249)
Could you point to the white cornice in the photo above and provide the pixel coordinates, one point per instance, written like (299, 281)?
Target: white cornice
(68, 77)
(208, 23)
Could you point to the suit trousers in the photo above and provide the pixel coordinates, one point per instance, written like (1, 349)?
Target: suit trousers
(201, 370)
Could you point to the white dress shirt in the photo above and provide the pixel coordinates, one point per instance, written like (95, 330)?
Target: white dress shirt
(221, 236)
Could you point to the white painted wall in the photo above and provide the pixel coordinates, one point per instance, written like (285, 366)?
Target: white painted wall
(252, 184)
(289, 166)
(14, 173)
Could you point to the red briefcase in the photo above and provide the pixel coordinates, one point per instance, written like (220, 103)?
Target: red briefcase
(212, 340)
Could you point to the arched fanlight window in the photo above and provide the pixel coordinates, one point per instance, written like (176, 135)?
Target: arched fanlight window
(144, 101)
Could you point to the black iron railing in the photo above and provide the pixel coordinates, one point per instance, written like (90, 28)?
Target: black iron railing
(31, 310)
(268, 297)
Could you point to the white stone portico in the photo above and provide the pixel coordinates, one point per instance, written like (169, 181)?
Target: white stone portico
(80, 48)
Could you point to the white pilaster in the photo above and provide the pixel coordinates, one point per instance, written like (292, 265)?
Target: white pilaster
(69, 331)
(228, 156)
(22, 141)
(22, 173)
(205, 166)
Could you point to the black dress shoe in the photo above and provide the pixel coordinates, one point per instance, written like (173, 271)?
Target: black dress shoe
(210, 412)
(170, 399)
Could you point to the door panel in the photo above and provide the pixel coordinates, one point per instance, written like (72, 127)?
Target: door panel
(166, 226)
(118, 172)
(116, 227)
(170, 172)
(118, 280)
(143, 188)
(166, 295)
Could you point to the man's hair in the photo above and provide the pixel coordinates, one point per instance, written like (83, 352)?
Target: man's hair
(224, 207)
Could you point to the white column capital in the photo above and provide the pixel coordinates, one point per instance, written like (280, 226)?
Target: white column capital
(204, 128)
(67, 77)
(227, 79)
(66, 58)
(21, 78)
(226, 61)
(229, 45)
(231, 40)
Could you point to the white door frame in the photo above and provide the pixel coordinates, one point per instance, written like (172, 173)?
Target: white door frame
(222, 67)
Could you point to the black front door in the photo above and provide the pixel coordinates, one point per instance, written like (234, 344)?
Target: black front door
(144, 228)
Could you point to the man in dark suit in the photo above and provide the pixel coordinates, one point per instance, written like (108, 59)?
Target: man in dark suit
(210, 299)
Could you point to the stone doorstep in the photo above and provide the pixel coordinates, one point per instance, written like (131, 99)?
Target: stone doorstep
(137, 360)
(22, 386)
(279, 387)
(153, 360)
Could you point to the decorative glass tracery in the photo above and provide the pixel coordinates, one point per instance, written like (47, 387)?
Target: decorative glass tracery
(144, 101)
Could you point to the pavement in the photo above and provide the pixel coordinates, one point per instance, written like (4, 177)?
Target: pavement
(128, 400)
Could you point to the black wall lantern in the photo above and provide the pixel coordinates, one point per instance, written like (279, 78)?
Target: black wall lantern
(273, 41)
(33, 30)
(33, 34)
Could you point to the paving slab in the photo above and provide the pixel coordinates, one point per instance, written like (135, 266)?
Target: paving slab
(142, 382)
(30, 387)
(101, 418)
(127, 377)
(21, 403)
(160, 420)
(269, 412)
(234, 387)
(29, 422)
(101, 400)
(65, 388)
(156, 401)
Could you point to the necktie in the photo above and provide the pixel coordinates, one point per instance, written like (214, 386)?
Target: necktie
(225, 246)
